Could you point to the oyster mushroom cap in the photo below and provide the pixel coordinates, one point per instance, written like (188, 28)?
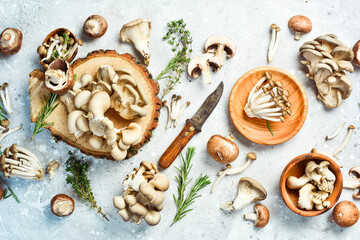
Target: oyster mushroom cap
(222, 150)
(342, 53)
(62, 205)
(119, 202)
(10, 41)
(313, 57)
(117, 153)
(152, 217)
(299, 24)
(107, 74)
(344, 85)
(99, 104)
(160, 181)
(345, 214)
(72, 127)
(95, 26)
(137, 32)
(81, 99)
(328, 42)
(322, 72)
(82, 82)
(297, 183)
(345, 66)
(220, 45)
(202, 63)
(131, 133)
(306, 196)
(249, 190)
(96, 142)
(59, 77)
(331, 100)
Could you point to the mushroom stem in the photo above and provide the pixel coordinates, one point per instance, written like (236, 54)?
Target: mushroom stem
(4, 101)
(274, 42)
(336, 132)
(3, 135)
(297, 36)
(346, 140)
(180, 112)
(250, 216)
(7, 96)
(234, 171)
(166, 104)
(221, 176)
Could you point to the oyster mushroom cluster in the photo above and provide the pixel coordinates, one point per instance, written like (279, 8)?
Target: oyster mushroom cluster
(315, 186)
(327, 59)
(20, 162)
(268, 100)
(216, 49)
(90, 98)
(143, 195)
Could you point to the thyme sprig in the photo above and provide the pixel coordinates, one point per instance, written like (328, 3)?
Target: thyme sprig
(46, 110)
(180, 40)
(183, 181)
(80, 183)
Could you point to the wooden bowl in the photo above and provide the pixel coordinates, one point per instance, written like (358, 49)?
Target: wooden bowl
(296, 167)
(59, 31)
(256, 129)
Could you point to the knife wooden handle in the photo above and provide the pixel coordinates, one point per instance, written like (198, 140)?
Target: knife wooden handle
(177, 145)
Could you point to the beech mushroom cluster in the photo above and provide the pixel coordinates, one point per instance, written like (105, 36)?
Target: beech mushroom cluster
(137, 32)
(10, 41)
(143, 195)
(20, 162)
(249, 190)
(216, 49)
(327, 59)
(315, 186)
(175, 110)
(268, 100)
(91, 97)
(61, 43)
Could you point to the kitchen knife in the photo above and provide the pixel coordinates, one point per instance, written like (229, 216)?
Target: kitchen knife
(192, 126)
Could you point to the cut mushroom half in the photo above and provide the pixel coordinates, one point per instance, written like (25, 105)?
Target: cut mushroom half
(220, 46)
(354, 182)
(59, 77)
(203, 63)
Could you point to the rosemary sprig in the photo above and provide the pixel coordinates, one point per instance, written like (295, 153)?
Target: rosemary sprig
(183, 181)
(269, 127)
(9, 192)
(80, 182)
(180, 40)
(46, 110)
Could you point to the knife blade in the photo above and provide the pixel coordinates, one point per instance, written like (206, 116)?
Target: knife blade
(192, 127)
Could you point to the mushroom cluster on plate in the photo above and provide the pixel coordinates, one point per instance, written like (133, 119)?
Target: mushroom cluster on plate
(143, 194)
(327, 59)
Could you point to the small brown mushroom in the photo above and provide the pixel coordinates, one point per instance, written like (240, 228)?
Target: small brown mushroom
(356, 50)
(260, 217)
(62, 205)
(345, 214)
(222, 150)
(95, 26)
(10, 41)
(299, 24)
(59, 77)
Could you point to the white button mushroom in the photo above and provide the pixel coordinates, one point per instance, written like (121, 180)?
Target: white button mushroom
(221, 46)
(202, 63)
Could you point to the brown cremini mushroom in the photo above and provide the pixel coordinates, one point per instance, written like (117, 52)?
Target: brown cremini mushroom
(345, 214)
(62, 205)
(356, 50)
(95, 26)
(222, 150)
(59, 77)
(10, 41)
(299, 24)
(260, 217)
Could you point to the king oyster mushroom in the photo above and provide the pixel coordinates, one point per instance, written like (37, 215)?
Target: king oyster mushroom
(327, 59)
(10, 41)
(59, 76)
(137, 32)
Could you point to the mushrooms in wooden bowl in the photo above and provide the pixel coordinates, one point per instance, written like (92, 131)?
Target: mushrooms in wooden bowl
(311, 184)
(268, 105)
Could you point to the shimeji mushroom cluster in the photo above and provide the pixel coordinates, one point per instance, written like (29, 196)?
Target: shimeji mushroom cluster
(216, 49)
(174, 110)
(268, 100)
(143, 195)
(20, 162)
(90, 98)
(315, 186)
(327, 59)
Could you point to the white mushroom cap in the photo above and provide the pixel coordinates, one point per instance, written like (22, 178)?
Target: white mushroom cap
(220, 45)
(81, 99)
(152, 217)
(131, 134)
(305, 200)
(202, 63)
(72, 127)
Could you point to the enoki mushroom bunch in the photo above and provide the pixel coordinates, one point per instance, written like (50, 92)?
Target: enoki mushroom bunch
(89, 100)
(143, 197)
(268, 100)
(20, 162)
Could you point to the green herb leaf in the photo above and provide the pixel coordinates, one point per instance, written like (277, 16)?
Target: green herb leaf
(75, 76)
(46, 110)
(180, 41)
(54, 55)
(80, 183)
(183, 181)
(269, 127)
(66, 37)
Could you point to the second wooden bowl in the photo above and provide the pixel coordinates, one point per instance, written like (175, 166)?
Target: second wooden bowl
(296, 167)
(256, 129)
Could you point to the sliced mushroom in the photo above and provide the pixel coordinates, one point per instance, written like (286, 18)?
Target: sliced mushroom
(202, 63)
(221, 46)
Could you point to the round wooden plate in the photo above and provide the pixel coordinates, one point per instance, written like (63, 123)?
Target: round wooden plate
(296, 168)
(256, 129)
(90, 65)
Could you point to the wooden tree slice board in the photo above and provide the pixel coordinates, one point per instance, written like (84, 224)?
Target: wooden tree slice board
(90, 65)
(255, 129)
